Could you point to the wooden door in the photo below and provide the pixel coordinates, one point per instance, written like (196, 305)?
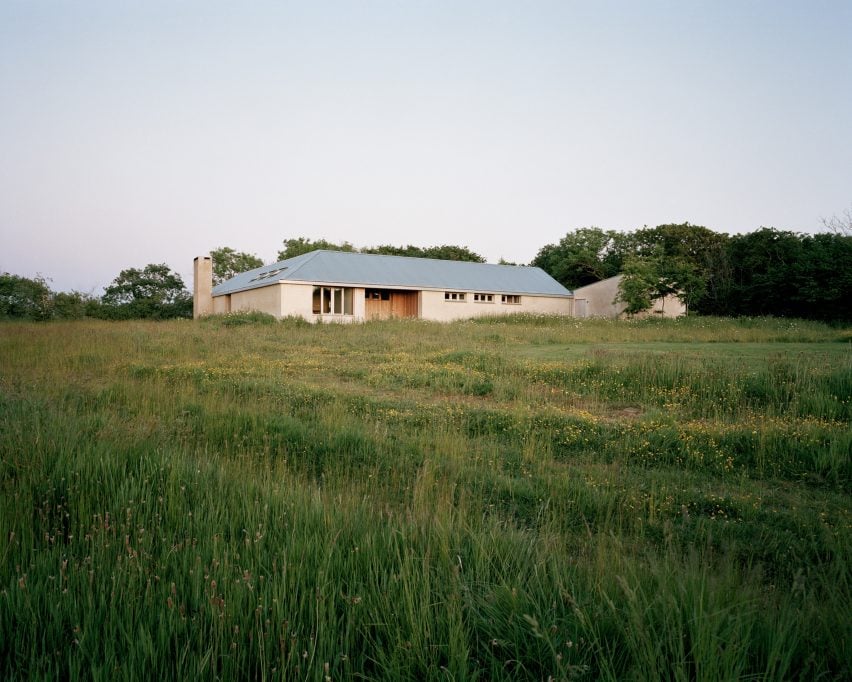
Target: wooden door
(382, 304)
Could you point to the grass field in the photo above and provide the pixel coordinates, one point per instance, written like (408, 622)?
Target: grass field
(508, 499)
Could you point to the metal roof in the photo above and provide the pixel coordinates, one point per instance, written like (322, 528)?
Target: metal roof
(400, 272)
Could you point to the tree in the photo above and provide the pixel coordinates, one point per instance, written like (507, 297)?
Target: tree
(841, 224)
(824, 277)
(71, 305)
(444, 252)
(152, 292)
(25, 299)
(391, 250)
(584, 256)
(299, 245)
(227, 263)
(639, 285)
(685, 256)
(763, 280)
(452, 252)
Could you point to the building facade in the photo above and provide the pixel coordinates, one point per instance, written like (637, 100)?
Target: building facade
(345, 287)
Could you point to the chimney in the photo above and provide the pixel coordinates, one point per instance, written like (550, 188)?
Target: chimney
(202, 287)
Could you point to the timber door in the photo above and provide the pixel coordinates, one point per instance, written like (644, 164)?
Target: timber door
(382, 304)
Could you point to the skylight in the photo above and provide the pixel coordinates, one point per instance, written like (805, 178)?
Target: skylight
(267, 274)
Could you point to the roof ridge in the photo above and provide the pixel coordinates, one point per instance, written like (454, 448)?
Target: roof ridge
(440, 260)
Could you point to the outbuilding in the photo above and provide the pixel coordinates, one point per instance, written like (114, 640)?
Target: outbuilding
(600, 299)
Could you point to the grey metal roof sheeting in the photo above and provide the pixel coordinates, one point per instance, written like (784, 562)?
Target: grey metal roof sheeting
(374, 270)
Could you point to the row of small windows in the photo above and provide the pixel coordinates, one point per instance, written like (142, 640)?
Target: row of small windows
(513, 299)
(338, 300)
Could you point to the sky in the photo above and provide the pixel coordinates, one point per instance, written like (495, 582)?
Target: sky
(152, 132)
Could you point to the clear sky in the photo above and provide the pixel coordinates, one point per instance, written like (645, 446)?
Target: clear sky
(147, 132)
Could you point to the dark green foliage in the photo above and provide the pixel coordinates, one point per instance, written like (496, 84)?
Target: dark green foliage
(227, 263)
(584, 256)
(772, 272)
(682, 256)
(639, 286)
(296, 247)
(32, 299)
(153, 292)
(451, 252)
(241, 318)
(300, 245)
(766, 272)
(25, 299)
(71, 305)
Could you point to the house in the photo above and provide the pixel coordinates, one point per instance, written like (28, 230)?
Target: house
(599, 300)
(344, 286)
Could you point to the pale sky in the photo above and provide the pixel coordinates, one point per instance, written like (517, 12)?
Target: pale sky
(147, 132)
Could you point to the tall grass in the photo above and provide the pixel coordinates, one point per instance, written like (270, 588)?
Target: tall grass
(504, 499)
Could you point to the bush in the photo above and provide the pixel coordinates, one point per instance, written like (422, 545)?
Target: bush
(241, 318)
(25, 299)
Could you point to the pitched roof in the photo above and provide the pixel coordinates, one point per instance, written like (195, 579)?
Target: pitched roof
(375, 270)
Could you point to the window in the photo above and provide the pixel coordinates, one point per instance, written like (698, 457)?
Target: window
(332, 301)
(514, 299)
(377, 295)
(453, 296)
(483, 298)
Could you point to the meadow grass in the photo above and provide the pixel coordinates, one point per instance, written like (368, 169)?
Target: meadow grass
(525, 498)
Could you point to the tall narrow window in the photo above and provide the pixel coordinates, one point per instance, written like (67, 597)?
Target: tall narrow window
(332, 301)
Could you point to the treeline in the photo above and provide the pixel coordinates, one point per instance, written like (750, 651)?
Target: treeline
(766, 272)
(157, 292)
(152, 292)
(300, 245)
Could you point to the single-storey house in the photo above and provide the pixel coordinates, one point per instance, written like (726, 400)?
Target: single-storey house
(342, 286)
(600, 300)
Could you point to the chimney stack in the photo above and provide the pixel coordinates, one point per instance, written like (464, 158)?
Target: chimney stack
(202, 288)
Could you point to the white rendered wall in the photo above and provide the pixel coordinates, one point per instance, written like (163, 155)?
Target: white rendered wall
(433, 306)
(600, 298)
(265, 300)
(222, 304)
(286, 299)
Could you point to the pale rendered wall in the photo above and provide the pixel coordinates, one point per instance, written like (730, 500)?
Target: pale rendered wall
(599, 299)
(222, 304)
(670, 306)
(434, 307)
(297, 299)
(265, 299)
(202, 286)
